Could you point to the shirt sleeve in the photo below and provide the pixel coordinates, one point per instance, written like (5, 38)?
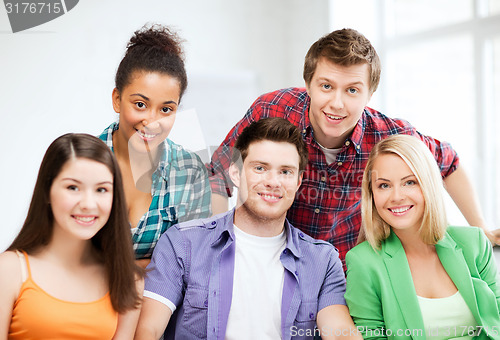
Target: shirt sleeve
(362, 297)
(446, 157)
(487, 266)
(334, 285)
(221, 159)
(168, 267)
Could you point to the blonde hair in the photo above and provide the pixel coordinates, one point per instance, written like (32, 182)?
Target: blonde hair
(423, 165)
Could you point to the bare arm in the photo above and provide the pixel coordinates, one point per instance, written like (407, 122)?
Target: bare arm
(219, 204)
(10, 284)
(153, 320)
(463, 194)
(334, 322)
(127, 322)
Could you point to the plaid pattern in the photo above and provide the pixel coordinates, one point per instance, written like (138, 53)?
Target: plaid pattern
(327, 205)
(180, 191)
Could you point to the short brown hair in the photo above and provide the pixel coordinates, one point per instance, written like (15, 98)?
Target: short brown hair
(274, 129)
(345, 47)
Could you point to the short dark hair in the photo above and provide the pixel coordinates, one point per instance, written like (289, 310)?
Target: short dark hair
(274, 129)
(112, 244)
(153, 49)
(345, 47)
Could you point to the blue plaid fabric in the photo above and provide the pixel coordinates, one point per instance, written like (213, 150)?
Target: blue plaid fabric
(180, 191)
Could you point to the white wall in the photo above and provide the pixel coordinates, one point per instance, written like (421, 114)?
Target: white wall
(58, 77)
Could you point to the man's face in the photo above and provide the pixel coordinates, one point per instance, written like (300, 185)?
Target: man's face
(268, 180)
(338, 97)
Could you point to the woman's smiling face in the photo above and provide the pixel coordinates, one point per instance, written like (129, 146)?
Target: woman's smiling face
(147, 108)
(397, 194)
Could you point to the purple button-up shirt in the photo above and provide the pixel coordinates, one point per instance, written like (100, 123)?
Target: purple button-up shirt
(193, 267)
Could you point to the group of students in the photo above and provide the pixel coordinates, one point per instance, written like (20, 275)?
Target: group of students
(317, 172)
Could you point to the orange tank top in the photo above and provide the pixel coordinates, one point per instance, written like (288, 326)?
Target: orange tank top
(38, 315)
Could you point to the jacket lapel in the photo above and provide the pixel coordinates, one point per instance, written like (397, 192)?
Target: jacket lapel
(454, 263)
(402, 283)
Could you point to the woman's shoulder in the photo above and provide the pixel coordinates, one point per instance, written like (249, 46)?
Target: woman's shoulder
(10, 271)
(366, 264)
(182, 156)
(107, 134)
(465, 235)
(9, 260)
(363, 252)
(362, 248)
(464, 231)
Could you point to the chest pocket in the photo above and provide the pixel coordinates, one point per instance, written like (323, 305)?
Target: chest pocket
(306, 317)
(196, 311)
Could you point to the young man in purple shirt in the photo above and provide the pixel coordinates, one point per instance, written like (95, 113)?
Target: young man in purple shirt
(247, 273)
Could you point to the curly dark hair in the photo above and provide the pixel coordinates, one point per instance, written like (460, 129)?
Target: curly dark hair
(153, 48)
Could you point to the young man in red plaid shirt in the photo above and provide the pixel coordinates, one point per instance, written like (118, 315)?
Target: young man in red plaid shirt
(341, 72)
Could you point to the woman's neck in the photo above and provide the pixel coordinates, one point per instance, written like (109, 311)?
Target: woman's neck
(412, 242)
(69, 253)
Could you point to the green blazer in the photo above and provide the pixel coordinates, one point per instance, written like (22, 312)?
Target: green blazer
(380, 293)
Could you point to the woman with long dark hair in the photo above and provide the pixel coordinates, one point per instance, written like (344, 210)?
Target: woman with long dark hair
(70, 273)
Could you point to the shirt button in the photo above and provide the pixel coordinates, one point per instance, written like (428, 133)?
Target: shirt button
(301, 234)
(214, 329)
(311, 315)
(206, 303)
(304, 131)
(357, 147)
(215, 293)
(316, 210)
(285, 251)
(339, 163)
(347, 143)
(214, 223)
(323, 179)
(297, 273)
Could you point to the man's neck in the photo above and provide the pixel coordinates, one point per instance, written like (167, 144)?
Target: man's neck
(256, 225)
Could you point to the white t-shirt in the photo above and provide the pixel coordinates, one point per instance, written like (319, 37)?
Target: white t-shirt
(330, 154)
(257, 287)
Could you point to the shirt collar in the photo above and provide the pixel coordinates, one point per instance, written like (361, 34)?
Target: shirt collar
(225, 231)
(356, 137)
(224, 224)
(107, 135)
(392, 244)
(166, 157)
(292, 239)
(357, 134)
(447, 242)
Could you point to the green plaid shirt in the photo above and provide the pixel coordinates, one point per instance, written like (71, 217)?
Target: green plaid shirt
(180, 191)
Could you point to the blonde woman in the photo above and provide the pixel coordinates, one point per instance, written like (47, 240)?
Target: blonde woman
(414, 277)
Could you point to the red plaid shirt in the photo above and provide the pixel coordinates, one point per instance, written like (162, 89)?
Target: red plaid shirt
(327, 204)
